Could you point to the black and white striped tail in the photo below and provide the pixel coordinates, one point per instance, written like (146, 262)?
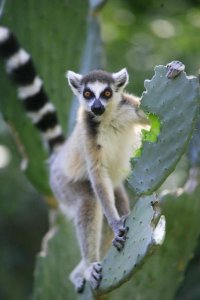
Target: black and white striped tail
(40, 110)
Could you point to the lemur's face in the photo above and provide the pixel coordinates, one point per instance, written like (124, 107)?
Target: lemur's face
(98, 89)
(97, 95)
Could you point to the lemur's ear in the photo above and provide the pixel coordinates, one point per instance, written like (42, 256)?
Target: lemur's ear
(121, 78)
(74, 80)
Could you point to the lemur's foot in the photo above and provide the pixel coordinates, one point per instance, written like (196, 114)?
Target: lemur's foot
(174, 68)
(94, 274)
(77, 277)
(120, 231)
(79, 284)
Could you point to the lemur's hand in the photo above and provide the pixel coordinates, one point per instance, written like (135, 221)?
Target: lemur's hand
(120, 231)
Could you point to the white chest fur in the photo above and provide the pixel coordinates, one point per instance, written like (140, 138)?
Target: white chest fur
(118, 139)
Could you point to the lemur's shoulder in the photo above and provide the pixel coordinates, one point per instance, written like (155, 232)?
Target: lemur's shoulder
(130, 103)
(130, 99)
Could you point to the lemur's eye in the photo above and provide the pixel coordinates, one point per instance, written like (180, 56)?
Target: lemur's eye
(107, 93)
(87, 94)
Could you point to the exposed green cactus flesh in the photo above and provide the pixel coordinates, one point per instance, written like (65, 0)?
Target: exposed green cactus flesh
(152, 135)
(149, 135)
(44, 29)
(175, 103)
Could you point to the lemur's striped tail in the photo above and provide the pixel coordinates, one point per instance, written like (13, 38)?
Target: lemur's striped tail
(40, 110)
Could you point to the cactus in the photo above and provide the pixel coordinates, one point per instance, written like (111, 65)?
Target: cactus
(174, 102)
(149, 170)
(92, 58)
(143, 222)
(162, 273)
(55, 262)
(194, 147)
(147, 229)
(118, 267)
(48, 268)
(53, 46)
(189, 287)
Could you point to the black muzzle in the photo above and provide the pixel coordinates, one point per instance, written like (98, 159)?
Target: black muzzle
(97, 108)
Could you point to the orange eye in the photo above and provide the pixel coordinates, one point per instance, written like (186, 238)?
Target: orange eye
(87, 94)
(107, 93)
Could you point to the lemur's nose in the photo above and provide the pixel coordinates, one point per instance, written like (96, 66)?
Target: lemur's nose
(97, 107)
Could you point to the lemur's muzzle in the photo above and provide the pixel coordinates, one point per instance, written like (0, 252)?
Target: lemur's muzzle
(97, 107)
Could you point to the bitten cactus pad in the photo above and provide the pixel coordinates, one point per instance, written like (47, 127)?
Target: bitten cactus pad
(175, 103)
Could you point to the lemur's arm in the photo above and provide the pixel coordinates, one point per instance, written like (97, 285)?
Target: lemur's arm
(100, 180)
(104, 191)
(130, 108)
(102, 186)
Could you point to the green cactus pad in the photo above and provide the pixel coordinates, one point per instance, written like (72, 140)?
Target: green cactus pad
(175, 103)
(161, 275)
(55, 262)
(91, 60)
(45, 31)
(51, 275)
(194, 147)
(119, 266)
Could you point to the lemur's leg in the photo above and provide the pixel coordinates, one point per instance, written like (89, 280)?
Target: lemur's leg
(88, 224)
(76, 199)
(122, 200)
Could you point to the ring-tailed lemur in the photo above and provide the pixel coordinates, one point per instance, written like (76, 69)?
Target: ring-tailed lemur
(88, 170)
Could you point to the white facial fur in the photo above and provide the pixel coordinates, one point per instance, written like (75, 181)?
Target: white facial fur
(97, 87)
